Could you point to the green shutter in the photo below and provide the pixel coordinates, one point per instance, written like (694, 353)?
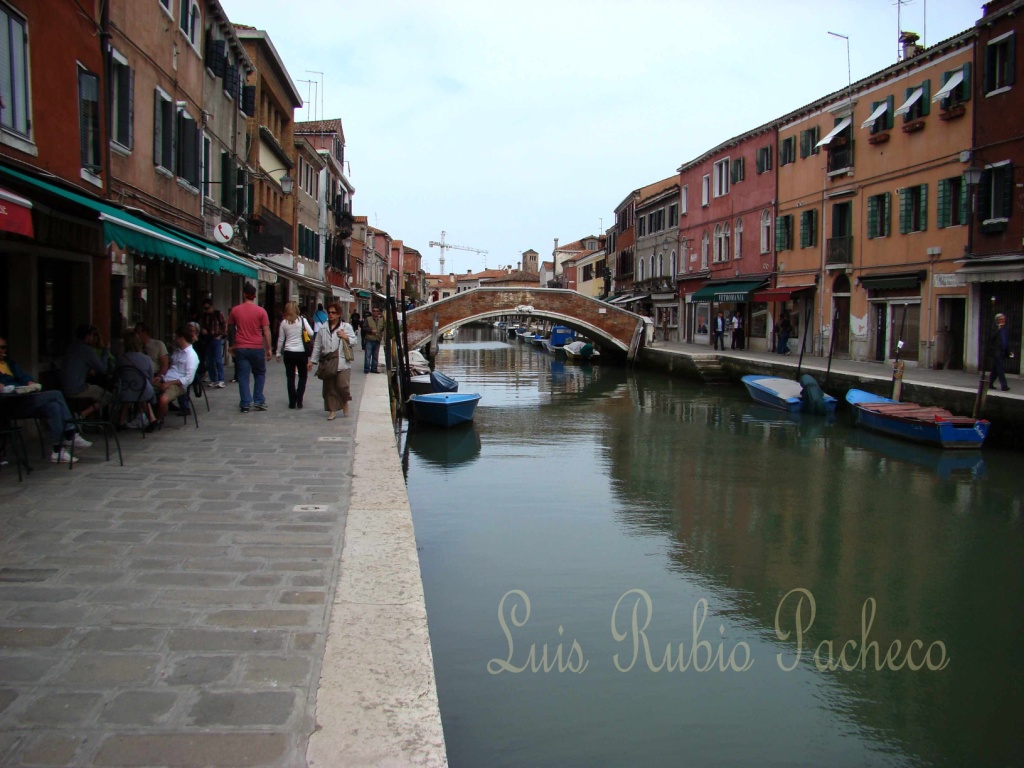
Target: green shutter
(965, 86)
(1007, 192)
(227, 175)
(760, 161)
(873, 230)
(924, 208)
(963, 204)
(904, 211)
(885, 228)
(804, 230)
(926, 98)
(780, 233)
(804, 149)
(945, 207)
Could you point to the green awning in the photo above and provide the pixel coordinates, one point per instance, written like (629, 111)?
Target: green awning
(129, 231)
(363, 294)
(891, 281)
(734, 292)
(226, 261)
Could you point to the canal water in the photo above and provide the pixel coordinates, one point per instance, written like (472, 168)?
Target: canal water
(622, 568)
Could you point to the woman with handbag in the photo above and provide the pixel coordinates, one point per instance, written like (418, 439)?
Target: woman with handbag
(292, 337)
(332, 354)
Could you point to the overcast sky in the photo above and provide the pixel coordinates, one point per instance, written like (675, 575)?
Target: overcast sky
(510, 124)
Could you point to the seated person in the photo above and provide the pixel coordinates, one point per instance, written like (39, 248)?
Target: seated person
(50, 406)
(155, 348)
(80, 363)
(199, 344)
(175, 383)
(135, 370)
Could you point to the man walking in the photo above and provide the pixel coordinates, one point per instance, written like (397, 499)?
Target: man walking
(999, 349)
(737, 330)
(212, 330)
(372, 331)
(249, 342)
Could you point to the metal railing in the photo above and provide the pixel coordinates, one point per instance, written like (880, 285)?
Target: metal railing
(839, 251)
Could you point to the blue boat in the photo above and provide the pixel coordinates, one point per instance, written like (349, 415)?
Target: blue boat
(920, 424)
(444, 409)
(783, 394)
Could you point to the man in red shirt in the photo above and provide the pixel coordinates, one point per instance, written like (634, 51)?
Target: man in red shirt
(249, 342)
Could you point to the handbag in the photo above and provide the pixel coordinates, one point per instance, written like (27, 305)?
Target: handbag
(307, 340)
(349, 354)
(327, 368)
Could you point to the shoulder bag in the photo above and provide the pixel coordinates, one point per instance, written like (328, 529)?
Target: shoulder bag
(349, 354)
(327, 367)
(307, 339)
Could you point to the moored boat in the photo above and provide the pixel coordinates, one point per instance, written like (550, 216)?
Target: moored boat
(581, 351)
(444, 409)
(429, 383)
(784, 394)
(921, 424)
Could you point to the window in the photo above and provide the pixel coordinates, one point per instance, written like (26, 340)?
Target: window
(652, 266)
(766, 231)
(787, 150)
(764, 159)
(809, 228)
(163, 130)
(672, 264)
(1000, 62)
(14, 73)
(722, 177)
(641, 275)
(881, 117)
(956, 87)
(878, 216)
(166, 5)
(588, 272)
(705, 190)
(207, 154)
(952, 202)
(686, 197)
(918, 102)
(89, 120)
(705, 246)
(189, 149)
(641, 226)
(995, 196)
(673, 216)
(914, 209)
(809, 142)
(783, 233)
(190, 21)
(122, 112)
(737, 170)
(661, 264)
(738, 240)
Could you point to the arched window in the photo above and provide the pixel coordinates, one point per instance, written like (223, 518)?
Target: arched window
(661, 265)
(718, 242)
(841, 284)
(766, 231)
(705, 246)
(190, 21)
(725, 242)
(672, 264)
(738, 240)
(642, 263)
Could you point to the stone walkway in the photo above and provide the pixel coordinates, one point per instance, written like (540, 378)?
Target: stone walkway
(174, 611)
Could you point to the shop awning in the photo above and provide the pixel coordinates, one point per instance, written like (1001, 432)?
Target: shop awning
(997, 270)
(953, 82)
(129, 231)
(728, 292)
(911, 101)
(363, 294)
(840, 127)
(226, 261)
(879, 111)
(782, 293)
(621, 299)
(309, 282)
(15, 214)
(341, 294)
(891, 281)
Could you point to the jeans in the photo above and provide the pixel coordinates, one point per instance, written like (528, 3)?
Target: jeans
(371, 348)
(215, 360)
(998, 371)
(718, 339)
(783, 343)
(295, 361)
(250, 361)
(54, 408)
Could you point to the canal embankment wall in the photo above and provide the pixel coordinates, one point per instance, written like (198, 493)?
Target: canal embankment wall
(377, 701)
(953, 390)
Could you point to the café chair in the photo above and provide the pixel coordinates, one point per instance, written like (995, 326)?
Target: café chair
(11, 435)
(103, 421)
(133, 390)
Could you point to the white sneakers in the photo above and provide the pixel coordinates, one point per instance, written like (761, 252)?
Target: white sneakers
(80, 442)
(63, 456)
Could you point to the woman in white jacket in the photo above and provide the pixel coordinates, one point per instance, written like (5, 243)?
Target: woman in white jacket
(328, 339)
(289, 341)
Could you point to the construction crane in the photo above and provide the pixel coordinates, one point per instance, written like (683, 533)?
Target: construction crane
(445, 246)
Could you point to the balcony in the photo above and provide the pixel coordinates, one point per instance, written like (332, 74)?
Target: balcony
(269, 233)
(840, 154)
(839, 252)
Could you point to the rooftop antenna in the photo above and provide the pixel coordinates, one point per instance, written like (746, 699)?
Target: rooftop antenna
(899, 25)
(310, 83)
(849, 72)
(318, 114)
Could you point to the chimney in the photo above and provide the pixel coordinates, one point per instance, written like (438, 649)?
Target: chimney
(910, 47)
(518, 265)
(556, 243)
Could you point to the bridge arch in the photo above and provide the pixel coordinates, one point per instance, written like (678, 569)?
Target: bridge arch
(611, 327)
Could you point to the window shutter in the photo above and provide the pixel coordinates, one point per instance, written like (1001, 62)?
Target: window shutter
(965, 86)
(873, 230)
(231, 80)
(227, 176)
(83, 122)
(179, 166)
(1006, 207)
(780, 233)
(249, 100)
(216, 57)
(131, 108)
(904, 211)
(884, 219)
(760, 161)
(170, 137)
(197, 151)
(1011, 60)
(242, 191)
(804, 230)
(924, 208)
(734, 171)
(158, 114)
(944, 207)
(926, 98)
(989, 75)
(803, 148)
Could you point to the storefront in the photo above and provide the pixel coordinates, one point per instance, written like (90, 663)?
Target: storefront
(728, 297)
(894, 315)
(767, 308)
(995, 284)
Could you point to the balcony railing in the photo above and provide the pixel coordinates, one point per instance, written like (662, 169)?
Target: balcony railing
(269, 233)
(839, 251)
(840, 154)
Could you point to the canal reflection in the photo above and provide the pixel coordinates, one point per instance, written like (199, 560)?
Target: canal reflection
(592, 485)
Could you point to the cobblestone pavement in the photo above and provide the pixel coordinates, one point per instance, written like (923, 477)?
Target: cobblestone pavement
(174, 611)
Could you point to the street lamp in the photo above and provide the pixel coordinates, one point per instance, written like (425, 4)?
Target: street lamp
(972, 178)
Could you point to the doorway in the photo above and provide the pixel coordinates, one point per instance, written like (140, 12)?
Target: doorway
(881, 327)
(841, 316)
(951, 333)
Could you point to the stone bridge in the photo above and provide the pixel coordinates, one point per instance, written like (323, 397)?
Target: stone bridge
(610, 328)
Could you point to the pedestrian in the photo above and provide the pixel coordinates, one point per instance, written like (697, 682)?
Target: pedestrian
(737, 330)
(354, 320)
(372, 330)
(213, 328)
(719, 331)
(336, 391)
(291, 344)
(319, 317)
(249, 342)
(999, 349)
(785, 329)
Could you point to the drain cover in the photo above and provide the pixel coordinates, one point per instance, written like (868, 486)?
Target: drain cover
(309, 508)
(329, 439)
